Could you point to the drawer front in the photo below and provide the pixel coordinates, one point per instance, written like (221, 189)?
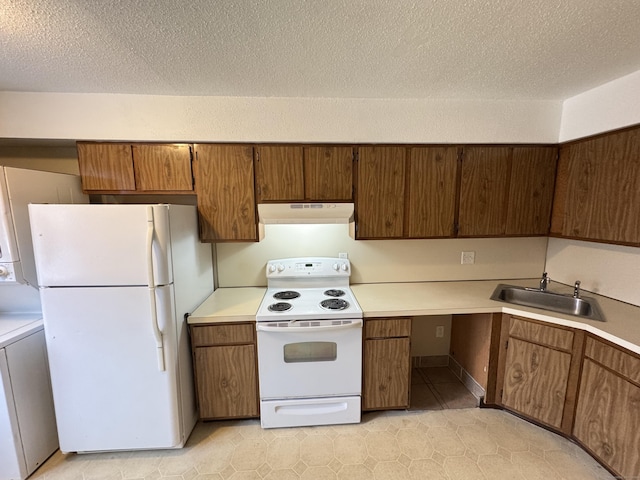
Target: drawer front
(231, 334)
(541, 334)
(387, 328)
(617, 360)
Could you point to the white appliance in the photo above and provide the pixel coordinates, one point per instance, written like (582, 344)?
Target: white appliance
(116, 283)
(18, 188)
(305, 213)
(28, 434)
(309, 331)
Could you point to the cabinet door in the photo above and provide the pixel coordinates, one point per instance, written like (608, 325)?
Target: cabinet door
(224, 185)
(431, 200)
(484, 191)
(328, 173)
(387, 369)
(380, 192)
(535, 381)
(106, 167)
(161, 168)
(226, 381)
(597, 189)
(279, 173)
(607, 419)
(533, 172)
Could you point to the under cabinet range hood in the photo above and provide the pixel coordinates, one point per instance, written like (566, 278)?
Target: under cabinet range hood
(305, 213)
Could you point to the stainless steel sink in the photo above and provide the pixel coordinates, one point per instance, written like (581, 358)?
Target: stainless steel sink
(585, 307)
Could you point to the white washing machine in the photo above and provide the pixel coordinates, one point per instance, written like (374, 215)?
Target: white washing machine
(28, 434)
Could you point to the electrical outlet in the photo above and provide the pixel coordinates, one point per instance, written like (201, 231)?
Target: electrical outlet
(439, 331)
(468, 258)
(343, 255)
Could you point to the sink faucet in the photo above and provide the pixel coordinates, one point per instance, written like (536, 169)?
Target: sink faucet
(544, 282)
(576, 289)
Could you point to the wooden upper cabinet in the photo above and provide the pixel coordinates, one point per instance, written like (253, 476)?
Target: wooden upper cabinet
(380, 192)
(506, 191)
(279, 173)
(430, 208)
(533, 174)
(483, 191)
(135, 168)
(162, 167)
(328, 173)
(224, 187)
(106, 166)
(596, 195)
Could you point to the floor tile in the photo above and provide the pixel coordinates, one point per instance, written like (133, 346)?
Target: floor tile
(418, 444)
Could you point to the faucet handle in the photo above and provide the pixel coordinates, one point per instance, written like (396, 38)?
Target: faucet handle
(576, 289)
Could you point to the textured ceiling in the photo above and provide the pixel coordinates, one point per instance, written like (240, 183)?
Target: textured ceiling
(457, 49)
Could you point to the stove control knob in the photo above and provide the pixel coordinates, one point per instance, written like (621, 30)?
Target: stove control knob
(344, 267)
(280, 267)
(4, 271)
(271, 268)
(336, 267)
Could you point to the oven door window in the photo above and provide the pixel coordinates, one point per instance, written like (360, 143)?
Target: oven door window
(302, 352)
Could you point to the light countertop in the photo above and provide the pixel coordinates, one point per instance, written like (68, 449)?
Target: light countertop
(439, 298)
(15, 326)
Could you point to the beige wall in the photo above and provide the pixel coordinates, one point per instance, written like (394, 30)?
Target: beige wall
(378, 261)
(50, 159)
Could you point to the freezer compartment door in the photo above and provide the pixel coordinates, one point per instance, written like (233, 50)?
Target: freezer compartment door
(109, 392)
(95, 245)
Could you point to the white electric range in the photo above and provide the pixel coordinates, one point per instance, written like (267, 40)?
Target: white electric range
(309, 329)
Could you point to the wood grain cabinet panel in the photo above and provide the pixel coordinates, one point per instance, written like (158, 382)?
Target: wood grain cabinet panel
(279, 173)
(541, 371)
(386, 377)
(608, 409)
(226, 378)
(506, 191)
(161, 168)
(596, 195)
(380, 192)
(224, 186)
(226, 372)
(483, 191)
(533, 173)
(536, 380)
(106, 167)
(328, 173)
(430, 208)
(135, 168)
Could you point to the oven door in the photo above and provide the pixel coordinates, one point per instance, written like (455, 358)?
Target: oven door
(318, 358)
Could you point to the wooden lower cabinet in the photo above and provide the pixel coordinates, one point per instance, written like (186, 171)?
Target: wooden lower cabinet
(386, 364)
(608, 410)
(541, 371)
(224, 359)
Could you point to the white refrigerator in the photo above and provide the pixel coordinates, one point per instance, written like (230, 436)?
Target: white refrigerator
(115, 283)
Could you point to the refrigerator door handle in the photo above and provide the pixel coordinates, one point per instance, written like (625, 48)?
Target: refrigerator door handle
(152, 290)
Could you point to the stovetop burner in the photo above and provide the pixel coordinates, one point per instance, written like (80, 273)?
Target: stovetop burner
(334, 292)
(334, 304)
(286, 295)
(310, 288)
(279, 307)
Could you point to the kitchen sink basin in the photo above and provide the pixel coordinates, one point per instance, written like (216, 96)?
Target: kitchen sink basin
(585, 307)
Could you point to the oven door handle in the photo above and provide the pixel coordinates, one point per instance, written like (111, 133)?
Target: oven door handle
(266, 328)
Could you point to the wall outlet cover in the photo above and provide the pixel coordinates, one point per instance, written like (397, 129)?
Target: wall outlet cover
(468, 258)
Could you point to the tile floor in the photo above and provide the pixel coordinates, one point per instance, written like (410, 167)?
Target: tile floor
(437, 388)
(439, 438)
